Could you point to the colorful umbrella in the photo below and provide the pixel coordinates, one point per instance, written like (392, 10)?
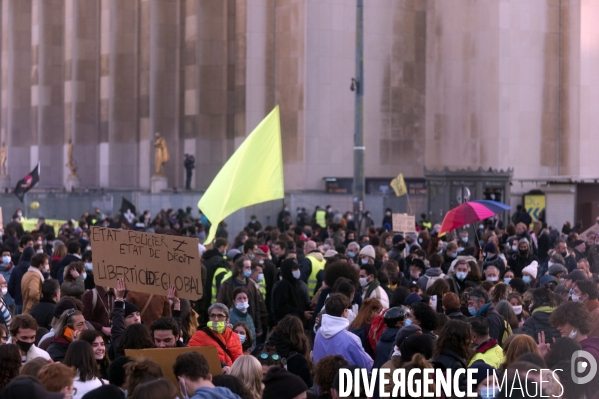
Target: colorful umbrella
(471, 212)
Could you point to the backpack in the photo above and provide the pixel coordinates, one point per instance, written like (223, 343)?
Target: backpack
(431, 279)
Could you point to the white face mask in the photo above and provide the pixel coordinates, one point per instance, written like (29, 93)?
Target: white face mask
(493, 279)
(260, 277)
(575, 298)
(4, 291)
(39, 251)
(47, 268)
(573, 334)
(6, 259)
(296, 274)
(517, 309)
(363, 281)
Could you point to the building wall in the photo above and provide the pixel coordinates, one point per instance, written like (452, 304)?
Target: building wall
(461, 83)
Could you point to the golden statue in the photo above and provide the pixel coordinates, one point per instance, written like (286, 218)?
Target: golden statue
(3, 159)
(71, 164)
(161, 156)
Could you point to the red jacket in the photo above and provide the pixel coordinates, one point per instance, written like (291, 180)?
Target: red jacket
(228, 338)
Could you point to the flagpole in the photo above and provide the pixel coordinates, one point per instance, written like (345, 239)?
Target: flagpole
(409, 202)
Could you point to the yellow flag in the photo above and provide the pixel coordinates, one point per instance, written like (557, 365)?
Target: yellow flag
(252, 175)
(399, 186)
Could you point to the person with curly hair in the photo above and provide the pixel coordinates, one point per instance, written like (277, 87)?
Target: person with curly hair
(573, 320)
(10, 363)
(424, 316)
(452, 349)
(325, 371)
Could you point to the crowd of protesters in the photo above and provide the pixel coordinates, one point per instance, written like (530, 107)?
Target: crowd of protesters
(288, 306)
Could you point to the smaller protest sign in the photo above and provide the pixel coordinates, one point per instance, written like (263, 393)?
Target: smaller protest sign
(403, 223)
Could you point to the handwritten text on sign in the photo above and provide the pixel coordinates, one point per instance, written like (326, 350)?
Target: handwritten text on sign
(147, 262)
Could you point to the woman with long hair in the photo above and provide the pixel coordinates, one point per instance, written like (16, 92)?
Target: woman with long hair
(361, 325)
(291, 342)
(504, 308)
(515, 299)
(60, 251)
(453, 348)
(141, 371)
(518, 346)
(96, 340)
(80, 355)
(438, 288)
(500, 292)
(10, 363)
(73, 280)
(245, 336)
(249, 370)
(136, 336)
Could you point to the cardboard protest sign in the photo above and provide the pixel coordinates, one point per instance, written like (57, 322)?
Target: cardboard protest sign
(166, 358)
(404, 223)
(147, 262)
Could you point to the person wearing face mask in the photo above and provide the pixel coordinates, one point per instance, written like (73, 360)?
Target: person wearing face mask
(31, 284)
(457, 282)
(371, 286)
(573, 320)
(449, 255)
(195, 381)
(290, 294)
(217, 333)
(74, 280)
(242, 270)
(397, 250)
(239, 312)
(529, 274)
(541, 307)
(6, 268)
(311, 265)
(353, 249)
(522, 258)
(23, 331)
(492, 274)
(569, 259)
(585, 291)
(5, 315)
(388, 219)
(491, 257)
(433, 273)
(479, 304)
(284, 214)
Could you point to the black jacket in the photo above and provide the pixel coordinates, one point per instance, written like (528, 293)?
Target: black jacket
(456, 286)
(455, 314)
(43, 312)
(58, 349)
(118, 327)
(287, 296)
(450, 360)
(385, 347)
(496, 323)
(14, 283)
(539, 321)
(497, 262)
(517, 263)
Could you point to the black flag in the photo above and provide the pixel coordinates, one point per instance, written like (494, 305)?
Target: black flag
(128, 210)
(27, 183)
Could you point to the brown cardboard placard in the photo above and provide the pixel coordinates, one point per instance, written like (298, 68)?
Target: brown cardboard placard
(147, 262)
(166, 358)
(404, 223)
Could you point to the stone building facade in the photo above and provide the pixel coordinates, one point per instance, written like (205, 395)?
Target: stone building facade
(496, 84)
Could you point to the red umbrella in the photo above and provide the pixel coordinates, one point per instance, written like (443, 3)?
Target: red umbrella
(471, 212)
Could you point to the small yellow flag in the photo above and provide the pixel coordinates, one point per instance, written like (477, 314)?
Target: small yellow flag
(252, 175)
(399, 186)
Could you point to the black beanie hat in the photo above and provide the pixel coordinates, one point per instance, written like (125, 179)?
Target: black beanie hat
(130, 308)
(416, 343)
(281, 384)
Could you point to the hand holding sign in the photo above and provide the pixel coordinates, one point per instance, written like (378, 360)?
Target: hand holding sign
(121, 288)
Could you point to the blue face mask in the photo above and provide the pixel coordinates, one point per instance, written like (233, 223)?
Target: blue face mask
(465, 240)
(408, 322)
(351, 254)
(472, 310)
(506, 280)
(454, 255)
(526, 279)
(364, 261)
(460, 249)
(481, 242)
(420, 241)
(242, 338)
(489, 256)
(252, 256)
(461, 275)
(247, 273)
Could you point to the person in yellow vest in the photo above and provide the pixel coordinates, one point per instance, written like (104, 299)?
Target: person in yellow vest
(486, 349)
(320, 216)
(312, 263)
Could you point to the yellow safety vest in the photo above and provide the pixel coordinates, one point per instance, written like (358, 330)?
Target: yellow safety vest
(321, 218)
(317, 265)
(493, 357)
(428, 225)
(227, 274)
(262, 288)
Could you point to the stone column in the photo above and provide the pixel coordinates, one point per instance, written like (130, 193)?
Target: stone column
(47, 92)
(81, 72)
(16, 85)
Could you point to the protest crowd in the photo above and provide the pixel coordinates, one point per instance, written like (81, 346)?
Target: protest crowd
(288, 306)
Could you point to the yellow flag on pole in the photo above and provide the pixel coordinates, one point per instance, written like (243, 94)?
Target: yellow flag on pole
(252, 175)
(399, 185)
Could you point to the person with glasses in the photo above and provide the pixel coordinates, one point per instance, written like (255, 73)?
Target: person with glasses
(218, 333)
(66, 331)
(270, 359)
